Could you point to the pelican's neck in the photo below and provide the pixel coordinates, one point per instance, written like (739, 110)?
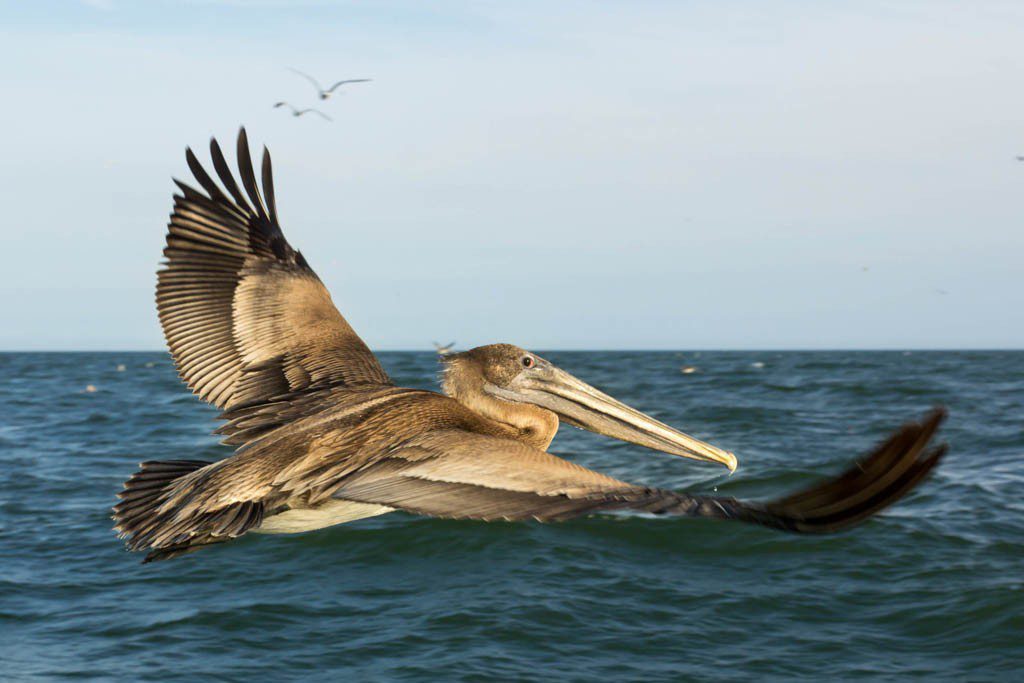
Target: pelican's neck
(525, 422)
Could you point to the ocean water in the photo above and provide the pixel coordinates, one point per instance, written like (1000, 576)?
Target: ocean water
(932, 589)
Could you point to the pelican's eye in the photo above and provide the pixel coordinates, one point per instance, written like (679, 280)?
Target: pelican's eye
(528, 361)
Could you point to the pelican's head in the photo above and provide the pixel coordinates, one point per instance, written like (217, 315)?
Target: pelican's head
(514, 376)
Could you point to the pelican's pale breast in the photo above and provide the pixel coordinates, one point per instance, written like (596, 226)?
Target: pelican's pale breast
(330, 513)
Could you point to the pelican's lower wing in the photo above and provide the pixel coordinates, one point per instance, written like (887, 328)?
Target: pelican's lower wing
(461, 475)
(173, 507)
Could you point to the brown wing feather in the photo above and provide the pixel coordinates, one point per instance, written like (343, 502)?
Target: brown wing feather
(246, 319)
(439, 473)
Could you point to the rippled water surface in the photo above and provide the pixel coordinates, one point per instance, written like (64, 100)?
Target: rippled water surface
(932, 589)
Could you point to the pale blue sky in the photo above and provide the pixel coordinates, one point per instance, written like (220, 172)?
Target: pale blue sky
(552, 174)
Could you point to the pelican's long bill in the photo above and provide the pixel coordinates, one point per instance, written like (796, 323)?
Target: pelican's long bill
(581, 405)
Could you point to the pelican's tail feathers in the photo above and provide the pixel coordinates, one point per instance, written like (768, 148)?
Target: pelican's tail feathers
(155, 513)
(873, 483)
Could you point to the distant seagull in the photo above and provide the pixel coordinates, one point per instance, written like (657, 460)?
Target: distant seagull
(443, 350)
(324, 94)
(941, 291)
(300, 112)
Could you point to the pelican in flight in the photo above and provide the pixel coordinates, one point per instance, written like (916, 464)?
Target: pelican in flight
(324, 93)
(324, 437)
(299, 112)
(443, 349)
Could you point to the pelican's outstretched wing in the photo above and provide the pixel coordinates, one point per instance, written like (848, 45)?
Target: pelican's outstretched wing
(247, 320)
(170, 508)
(458, 475)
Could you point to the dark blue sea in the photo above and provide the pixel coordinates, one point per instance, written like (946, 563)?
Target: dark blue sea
(932, 589)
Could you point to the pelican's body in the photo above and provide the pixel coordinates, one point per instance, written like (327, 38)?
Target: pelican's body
(324, 437)
(379, 419)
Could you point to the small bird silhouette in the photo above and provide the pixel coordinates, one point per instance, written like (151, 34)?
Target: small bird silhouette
(1020, 158)
(300, 112)
(325, 93)
(443, 350)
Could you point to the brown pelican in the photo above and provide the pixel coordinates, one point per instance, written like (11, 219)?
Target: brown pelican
(324, 93)
(325, 437)
(299, 112)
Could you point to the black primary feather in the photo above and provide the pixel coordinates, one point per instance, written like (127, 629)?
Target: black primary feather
(268, 185)
(224, 172)
(248, 176)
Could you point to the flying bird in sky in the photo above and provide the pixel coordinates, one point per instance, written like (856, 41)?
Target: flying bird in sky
(300, 112)
(324, 436)
(324, 93)
(445, 349)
